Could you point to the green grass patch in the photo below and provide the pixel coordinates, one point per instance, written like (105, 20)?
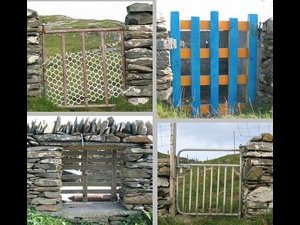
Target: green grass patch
(220, 220)
(41, 104)
(257, 111)
(35, 218)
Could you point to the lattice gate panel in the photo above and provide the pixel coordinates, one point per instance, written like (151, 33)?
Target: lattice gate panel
(75, 83)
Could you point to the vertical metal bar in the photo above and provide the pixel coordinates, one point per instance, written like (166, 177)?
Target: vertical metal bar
(211, 185)
(123, 60)
(63, 57)
(114, 176)
(203, 194)
(233, 65)
(84, 176)
(195, 65)
(224, 195)
(214, 62)
(103, 50)
(231, 195)
(218, 186)
(197, 188)
(85, 87)
(191, 184)
(175, 59)
(252, 59)
(183, 190)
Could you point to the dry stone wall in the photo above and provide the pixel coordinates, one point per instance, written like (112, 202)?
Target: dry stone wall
(163, 187)
(44, 164)
(257, 180)
(265, 78)
(138, 53)
(34, 55)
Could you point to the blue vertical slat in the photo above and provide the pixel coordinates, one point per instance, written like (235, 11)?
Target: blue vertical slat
(252, 64)
(233, 64)
(195, 65)
(175, 59)
(214, 62)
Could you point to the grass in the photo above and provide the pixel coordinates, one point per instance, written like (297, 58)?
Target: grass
(41, 104)
(256, 112)
(221, 220)
(35, 218)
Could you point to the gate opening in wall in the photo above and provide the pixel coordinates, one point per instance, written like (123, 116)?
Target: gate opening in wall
(208, 187)
(83, 67)
(91, 174)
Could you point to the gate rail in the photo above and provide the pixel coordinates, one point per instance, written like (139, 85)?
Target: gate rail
(86, 88)
(185, 173)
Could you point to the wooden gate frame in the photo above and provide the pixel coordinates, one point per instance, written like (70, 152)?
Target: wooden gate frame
(195, 53)
(180, 165)
(63, 54)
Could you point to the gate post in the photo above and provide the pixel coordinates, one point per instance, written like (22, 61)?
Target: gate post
(173, 169)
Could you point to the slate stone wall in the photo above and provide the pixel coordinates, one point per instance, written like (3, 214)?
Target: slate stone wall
(265, 77)
(163, 186)
(44, 158)
(257, 180)
(34, 55)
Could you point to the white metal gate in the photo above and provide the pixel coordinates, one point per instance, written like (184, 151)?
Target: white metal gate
(207, 187)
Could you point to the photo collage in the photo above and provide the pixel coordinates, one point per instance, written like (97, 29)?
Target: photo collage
(144, 112)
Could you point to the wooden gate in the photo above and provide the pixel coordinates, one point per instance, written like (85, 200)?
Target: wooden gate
(83, 67)
(211, 50)
(97, 171)
(208, 187)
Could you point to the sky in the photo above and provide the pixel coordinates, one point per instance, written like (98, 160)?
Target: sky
(117, 9)
(64, 119)
(210, 135)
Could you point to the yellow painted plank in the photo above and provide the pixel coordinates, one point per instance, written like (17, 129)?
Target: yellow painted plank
(185, 53)
(205, 25)
(223, 108)
(205, 80)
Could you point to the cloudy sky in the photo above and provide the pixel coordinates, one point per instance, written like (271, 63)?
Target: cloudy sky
(213, 135)
(117, 9)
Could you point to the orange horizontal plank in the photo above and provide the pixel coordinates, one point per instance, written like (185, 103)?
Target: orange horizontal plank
(205, 25)
(223, 108)
(185, 53)
(205, 80)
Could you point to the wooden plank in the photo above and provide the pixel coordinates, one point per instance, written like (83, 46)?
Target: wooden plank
(205, 25)
(103, 52)
(195, 65)
(233, 65)
(88, 191)
(71, 160)
(63, 58)
(98, 167)
(84, 70)
(72, 167)
(84, 176)
(214, 62)
(205, 80)
(114, 176)
(175, 59)
(72, 152)
(185, 53)
(252, 61)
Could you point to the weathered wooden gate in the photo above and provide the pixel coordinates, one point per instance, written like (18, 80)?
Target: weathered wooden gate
(87, 70)
(208, 187)
(211, 54)
(98, 171)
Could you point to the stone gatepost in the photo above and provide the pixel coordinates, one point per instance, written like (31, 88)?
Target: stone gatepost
(44, 170)
(138, 53)
(34, 55)
(257, 177)
(265, 77)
